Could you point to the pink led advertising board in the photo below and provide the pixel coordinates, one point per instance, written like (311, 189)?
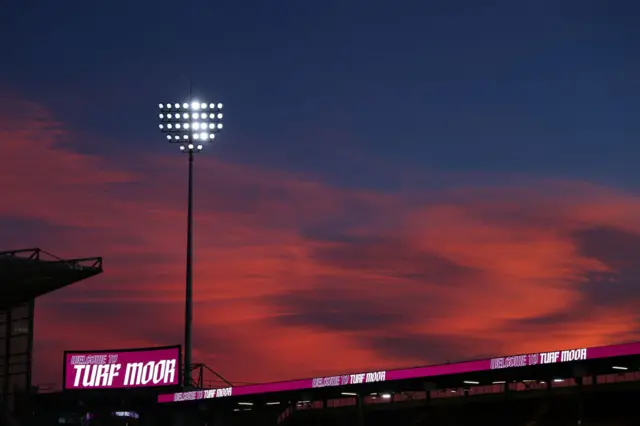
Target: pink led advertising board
(122, 368)
(511, 361)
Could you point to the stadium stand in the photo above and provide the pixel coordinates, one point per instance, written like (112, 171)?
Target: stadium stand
(597, 389)
(25, 275)
(596, 386)
(587, 386)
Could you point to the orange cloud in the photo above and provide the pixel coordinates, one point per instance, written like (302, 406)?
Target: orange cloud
(294, 277)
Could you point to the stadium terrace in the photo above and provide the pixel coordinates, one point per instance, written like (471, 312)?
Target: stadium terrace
(549, 366)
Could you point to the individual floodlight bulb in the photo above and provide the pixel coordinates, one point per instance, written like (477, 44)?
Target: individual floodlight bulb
(160, 106)
(168, 115)
(212, 116)
(177, 105)
(220, 116)
(196, 136)
(161, 126)
(190, 146)
(186, 125)
(212, 106)
(211, 125)
(211, 136)
(185, 115)
(196, 126)
(169, 126)
(181, 147)
(195, 105)
(219, 106)
(203, 136)
(185, 105)
(178, 126)
(169, 137)
(161, 115)
(203, 116)
(185, 137)
(199, 147)
(219, 125)
(203, 106)
(176, 137)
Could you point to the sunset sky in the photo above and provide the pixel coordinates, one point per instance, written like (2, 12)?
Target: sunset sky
(398, 182)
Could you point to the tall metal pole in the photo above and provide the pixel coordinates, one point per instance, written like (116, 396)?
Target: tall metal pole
(188, 311)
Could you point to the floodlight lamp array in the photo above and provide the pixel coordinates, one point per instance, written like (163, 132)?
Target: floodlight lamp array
(191, 125)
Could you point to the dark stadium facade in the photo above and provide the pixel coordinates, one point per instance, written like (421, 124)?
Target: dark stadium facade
(26, 275)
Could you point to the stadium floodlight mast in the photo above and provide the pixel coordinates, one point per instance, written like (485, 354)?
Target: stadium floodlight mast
(190, 126)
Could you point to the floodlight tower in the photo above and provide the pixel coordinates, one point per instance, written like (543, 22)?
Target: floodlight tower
(190, 126)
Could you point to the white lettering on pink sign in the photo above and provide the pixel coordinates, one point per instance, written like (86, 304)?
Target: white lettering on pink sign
(324, 382)
(219, 393)
(351, 379)
(539, 358)
(156, 373)
(378, 376)
(185, 396)
(203, 394)
(91, 374)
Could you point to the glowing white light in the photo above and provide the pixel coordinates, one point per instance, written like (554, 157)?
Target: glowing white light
(185, 115)
(177, 106)
(203, 116)
(185, 105)
(211, 136)
(168, 136)
(178, 126)
(219, 115)
(181, 147)
(203, 105)
(196, 126)
(168, 115)
(161, 115)
(199, 147)
(161, 106)
(176, 137)
(168, 106)
(219, 125)
(169, 126)
(212, 116)
(212, 106)
(195, 105)
(219, 106)
(185, 137)
(190, 146)
(161, 126)
(186, 125)
(196, 136)
(211, 125)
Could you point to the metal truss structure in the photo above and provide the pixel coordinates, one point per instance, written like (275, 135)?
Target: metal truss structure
(28, 273)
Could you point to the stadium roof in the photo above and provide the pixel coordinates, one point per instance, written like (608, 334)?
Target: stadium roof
(28, 273)
(549, 365)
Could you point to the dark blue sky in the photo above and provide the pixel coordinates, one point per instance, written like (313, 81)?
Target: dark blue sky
(338, 87)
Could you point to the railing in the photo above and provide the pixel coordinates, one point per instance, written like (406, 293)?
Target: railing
(88, 263)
